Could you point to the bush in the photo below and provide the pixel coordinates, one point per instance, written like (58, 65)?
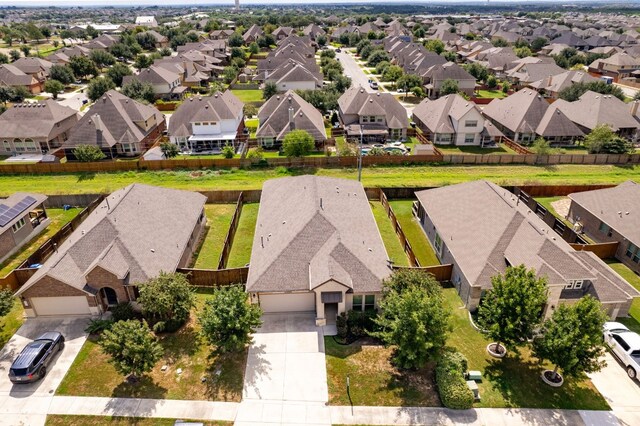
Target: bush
(341, 325)
(255, 154)
(452, 388)
(228, 152)
(88, 153)
(122, 312)
(97, 326)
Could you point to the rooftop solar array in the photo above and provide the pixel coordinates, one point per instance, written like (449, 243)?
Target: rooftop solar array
(7, 214)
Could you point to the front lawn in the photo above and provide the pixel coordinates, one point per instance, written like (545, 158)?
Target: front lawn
(11, 322)
(389, 237)
(59, 218)
(248, 95)
(218, 220)
(474, 150)
(65, 420)
(373, 379)
(243, 240)
(91, 374)
(414, 233)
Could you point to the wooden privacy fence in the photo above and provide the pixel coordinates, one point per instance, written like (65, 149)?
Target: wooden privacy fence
(413, 261)
(602, 250)
(228, 241)
(442, 273)
(215, 278)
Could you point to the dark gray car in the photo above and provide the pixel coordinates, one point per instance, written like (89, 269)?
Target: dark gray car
(31, 365)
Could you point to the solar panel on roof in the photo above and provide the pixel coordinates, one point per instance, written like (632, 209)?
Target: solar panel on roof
(7, 216)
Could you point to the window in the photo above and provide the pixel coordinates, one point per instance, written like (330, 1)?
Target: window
(605, 229)
(19, 224)
(357, 302)
(369, 302)
(471, 123)
(365, 119)
(7, 146)
(443, 137)
(438, 243)
(469, 138)
(267, 142)
(633, 252)
(364, 302)
(619, 340)
(574, 284)
(380, 120)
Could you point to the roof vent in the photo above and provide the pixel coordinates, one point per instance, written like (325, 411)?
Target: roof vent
(153, 250)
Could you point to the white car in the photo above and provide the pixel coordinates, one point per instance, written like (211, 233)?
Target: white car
(625, 345)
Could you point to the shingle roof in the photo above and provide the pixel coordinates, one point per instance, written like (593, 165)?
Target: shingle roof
(357, 101)
(274, 117)
(313, 229)
(555, 123)
(12, 76)
(594, 108)
(33, 120)
(520, 112)
(219, 106)
(435, 114)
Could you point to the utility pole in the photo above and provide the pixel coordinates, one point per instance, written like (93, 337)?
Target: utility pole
(360, 156)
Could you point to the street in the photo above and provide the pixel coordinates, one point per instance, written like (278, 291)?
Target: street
(354, 71)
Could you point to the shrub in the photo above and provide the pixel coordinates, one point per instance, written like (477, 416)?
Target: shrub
(228, 151)
(360, 323)
(166, 301)
(122, 312)
(88, 153)
(452, 388)
(341, 325)
(97, 326)
(255, 154)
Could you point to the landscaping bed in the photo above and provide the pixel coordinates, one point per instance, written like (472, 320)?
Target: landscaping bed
(218, 221)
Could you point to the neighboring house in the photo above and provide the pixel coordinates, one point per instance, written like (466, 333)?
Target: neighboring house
(372, 116)
(618, 66)
(35, 127)
(252, 34)
(35, 67)
(165, 82)
(438, 74)
(146, 21)
(552, 85)
(313, 31)
(507, 233)
(133, 235)
(207, 123)
(316, 249)
(220, 34)
(282, 32)
(12, 76)
(452, 120)
(611, 214)
(22, 217)
(292, 75)
(161, 41)
(284, 113)
(102, 42)
(526, 72)
(118, 125)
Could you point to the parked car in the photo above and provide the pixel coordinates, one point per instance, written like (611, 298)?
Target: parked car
(625, 345)
(374, 85)
(338, 50)
(31, 365)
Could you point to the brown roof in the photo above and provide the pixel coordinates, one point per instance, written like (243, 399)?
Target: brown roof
(313, 229)
(357, 101)
(34, 120)
(12, 76)
(219, 106)
(274, 117)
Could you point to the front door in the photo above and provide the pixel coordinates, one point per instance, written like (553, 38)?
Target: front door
(109, 297)
(331, 313)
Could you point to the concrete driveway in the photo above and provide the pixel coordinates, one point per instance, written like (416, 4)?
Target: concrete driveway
(621, 392)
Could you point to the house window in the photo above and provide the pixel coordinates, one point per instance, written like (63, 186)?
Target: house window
(357, 302)
(574, 284)
(369, 302)
(365, 119)
(19, 224)
(443, 137)
(471, 123)
(438, 243)
(267, 142)
(380, 119)
(469, 138)
(605, 229)
(633, 252)
(7, 146)
(364, 302)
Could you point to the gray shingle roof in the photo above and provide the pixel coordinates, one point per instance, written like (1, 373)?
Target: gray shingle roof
(436, 114)
(29, 120)
(12, 76)
(274, 117)
(520, 112)
(219, 106)
(594, 108)
(357, 101)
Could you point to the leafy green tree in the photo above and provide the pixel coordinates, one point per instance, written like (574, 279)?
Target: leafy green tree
(142, 61)
(297, 143)
(146, 40)
(83, 67)
(321, 40)
(541, 146)
(165, 51)
(407, 81)
(6, 94)
(228, 151)
(135, 89)
(254, 48)
(6, 301)
(229, 74)
(54, 87)
(88, 153)
(62, 73)
(269, 90)
(499, 42)
(513, 307)
(573, 92)
(228, 319)
(382, 67)
(235, 40)
(572, 338)
(602, 139)
(98, 87)
(169, 150)
(492, 82)
(434, 45)
(506, 87)
(376, 57)
(418, 92)
(480, 72)
(412, 318)
(102, 58)
(133, 348)
(4, 59)
(15, 55)
(538, 43)
(25, 50)
(166, 301)
(117, 72)
(392, 73)
(449, 87)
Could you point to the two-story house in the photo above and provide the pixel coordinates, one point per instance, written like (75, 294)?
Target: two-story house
(166, 82)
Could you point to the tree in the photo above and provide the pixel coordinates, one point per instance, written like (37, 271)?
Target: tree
(376, 57)
(412, 318)
(88, 153)
(14, 54)
(321, 40)
(499, 42)
(169, 150)
(102, 58)
(135, 89)
(407, 81)
(297, 143)
(6, 94)
(25, 50)
(98, 87)
(392, 73)
(228, 151)
(146, 40)
(4, 59)
(142, 61)
(603, 139)
(572, 338)
(254, 48)
(269, 90)
(492, 82)
(166, 301)
(449, 87)
(522, 52)
(62, 73)
(573, 92)
(513, 307)
(434, 45)
(538, 43)
(478, 71)
(506, 87)
(6, 301)
(165, 51)
(235, 40)
(117, 72)
(541, 146)
(228, 319)
(229, 74)
(54, 87)
(133, 348)
(83, 67)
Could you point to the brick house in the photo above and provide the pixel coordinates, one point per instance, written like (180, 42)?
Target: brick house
(22, 217)
(133, 235)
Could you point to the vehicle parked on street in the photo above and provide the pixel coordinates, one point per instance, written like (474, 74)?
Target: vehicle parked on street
(625, 345)
(374, 85)
(31, 364)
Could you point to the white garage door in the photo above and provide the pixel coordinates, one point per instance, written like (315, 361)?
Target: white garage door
(69, 305)
(294, 302)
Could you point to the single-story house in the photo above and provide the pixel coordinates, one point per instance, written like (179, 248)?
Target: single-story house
(22, 217)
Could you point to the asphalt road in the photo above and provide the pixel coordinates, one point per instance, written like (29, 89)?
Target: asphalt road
(353, 71)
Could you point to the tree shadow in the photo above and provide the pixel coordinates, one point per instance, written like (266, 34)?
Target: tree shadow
(225, 375)
(182, 343)
(415, 388)
(144, 387)
(82, 176)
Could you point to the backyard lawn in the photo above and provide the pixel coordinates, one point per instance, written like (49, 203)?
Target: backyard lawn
(60, 420)
(414, 233)
(389, 237)
(250, 95)
(491, 94)
(475, 150)
(183, 349)
(243, 240)
(218, 220)
(59, 218)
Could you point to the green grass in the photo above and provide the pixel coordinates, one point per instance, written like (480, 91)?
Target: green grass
(474, 150)
(389, 237)
(59, 218)
(65, 420)
(515, 380)
(401, 176)
(373, 379)
(414, 233)
(248, 95)
(243, 240)
(218, 220)
(11, 322)
(183, 349)
(491, 94)
(633, 322)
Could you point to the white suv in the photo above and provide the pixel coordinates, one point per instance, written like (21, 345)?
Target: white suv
(625, 345)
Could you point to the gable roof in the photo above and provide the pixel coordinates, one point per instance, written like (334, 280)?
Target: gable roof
(436, 114)
(33, 120)
(520, 112)
(313, 229)
(594, 108)
(217, 107)
(10, 75)
(555, 123)
(276, 114)
(357, 101)
(558, 82)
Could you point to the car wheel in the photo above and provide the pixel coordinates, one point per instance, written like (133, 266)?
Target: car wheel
(61, 347)
(631, 372)
(43, 372)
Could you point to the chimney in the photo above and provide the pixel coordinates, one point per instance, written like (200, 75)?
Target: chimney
(549, 80)
(292, 126)
(634, 108)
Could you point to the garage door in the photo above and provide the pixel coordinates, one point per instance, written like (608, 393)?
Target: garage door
(296, 302)
(69, 305)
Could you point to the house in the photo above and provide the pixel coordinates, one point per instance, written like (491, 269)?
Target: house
(283, 113)
(220, 34)
(508, 233)
(118, 125)
(102, 42)
(12, 76)
(207, 123)
(552, 85)
(313, 31)
(316, 249)
(528, 70)
(165, 82)
(452, 120)
(372, 117)
(438, 74)
(282, 32)
(35, 67)
(252, 34)
(618, 66)
(146, 21)
(611, 214)
(22, 217)
(131, 236)
(160, 40)
(292, 75)
(35, 127)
